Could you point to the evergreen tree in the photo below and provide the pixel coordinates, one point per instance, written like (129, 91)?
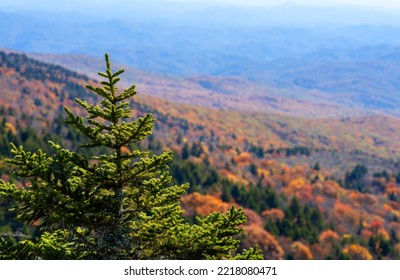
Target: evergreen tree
(119, 204)
(356, 178)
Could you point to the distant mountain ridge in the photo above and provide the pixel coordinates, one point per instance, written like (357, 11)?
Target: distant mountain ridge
(367, 77)
(220, 92)
(348, 66)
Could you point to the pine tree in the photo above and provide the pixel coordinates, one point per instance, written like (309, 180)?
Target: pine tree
(119, 204)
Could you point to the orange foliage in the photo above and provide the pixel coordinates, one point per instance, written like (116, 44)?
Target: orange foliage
(387, 207)
(362, 198)
(296, 184)
(328, 236)
(391, 187)
(357, 252)
(344, 213)
(275, 214)
(319, 199)
(331, 189)
(266, 242)
(300, 188)
(305, 193)
(243, 159)
(286, 169)
(301, 251)
(203, 205)
(267, 163)
(125, 150)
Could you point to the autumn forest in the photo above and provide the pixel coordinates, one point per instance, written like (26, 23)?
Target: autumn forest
(299, 202)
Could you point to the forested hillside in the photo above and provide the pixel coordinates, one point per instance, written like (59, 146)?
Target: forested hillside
(311, 188)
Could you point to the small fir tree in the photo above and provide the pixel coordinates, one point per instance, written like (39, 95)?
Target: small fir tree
(119, 204)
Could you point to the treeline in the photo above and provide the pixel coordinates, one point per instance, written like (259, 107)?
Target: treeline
(260, 152)
(35, 70)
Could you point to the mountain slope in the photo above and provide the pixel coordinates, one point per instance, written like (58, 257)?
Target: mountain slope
(295, 176)
(373, 135)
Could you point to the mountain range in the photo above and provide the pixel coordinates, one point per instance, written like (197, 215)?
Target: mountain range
(348, 66)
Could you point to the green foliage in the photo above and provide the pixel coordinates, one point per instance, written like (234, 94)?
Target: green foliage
(119, 204)
(255, 197)
(301, 222)
(200, 177)
(356, 178)
(297, 150)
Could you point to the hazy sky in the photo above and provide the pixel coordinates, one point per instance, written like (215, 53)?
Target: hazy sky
(365, 3)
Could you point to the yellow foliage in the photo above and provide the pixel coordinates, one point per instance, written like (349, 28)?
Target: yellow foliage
(11, 128)
(297, 183)
(383, 233)
(263, 172)
(357, 252)
(232, 177)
